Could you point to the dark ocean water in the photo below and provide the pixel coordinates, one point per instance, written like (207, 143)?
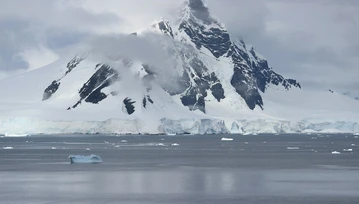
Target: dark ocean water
(202, 169)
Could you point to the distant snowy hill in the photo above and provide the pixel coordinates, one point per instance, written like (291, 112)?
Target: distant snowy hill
(351, 95)
(187, 76)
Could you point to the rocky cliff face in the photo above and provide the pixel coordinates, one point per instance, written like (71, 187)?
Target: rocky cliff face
(196, 37)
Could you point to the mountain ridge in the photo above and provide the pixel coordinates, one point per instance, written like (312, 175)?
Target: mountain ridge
(251, 73)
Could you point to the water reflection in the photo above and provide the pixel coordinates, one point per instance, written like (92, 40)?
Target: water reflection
(190, 181)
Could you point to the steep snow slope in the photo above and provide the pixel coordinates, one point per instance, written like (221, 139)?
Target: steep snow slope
(184, 77)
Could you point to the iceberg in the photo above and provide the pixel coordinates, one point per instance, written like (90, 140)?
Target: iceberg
(91, 159)
(292, 148)
(227, 139)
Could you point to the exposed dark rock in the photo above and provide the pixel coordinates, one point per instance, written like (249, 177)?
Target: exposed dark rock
(129, 105)
(149, 99)
(144, 102)
(217, 41)
(248, 93)
(145, 99)
(200, 11)
(73, 63)
(54, 86)
(194, 100)
(91, 90)
(50, 90)
(165, 28)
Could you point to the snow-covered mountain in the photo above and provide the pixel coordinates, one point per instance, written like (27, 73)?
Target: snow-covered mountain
(174, 77)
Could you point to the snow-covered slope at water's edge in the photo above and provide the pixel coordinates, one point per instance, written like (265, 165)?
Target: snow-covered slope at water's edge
(205, 83)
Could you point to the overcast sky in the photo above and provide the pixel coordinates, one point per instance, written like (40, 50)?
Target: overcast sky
(314, 41)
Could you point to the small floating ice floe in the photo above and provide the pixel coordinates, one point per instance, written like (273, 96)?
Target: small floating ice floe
(123, 141)
(265, 142)
(160, 144)
(347, 150)
(175, 144)
(246, 143)
(335, 152)
(293, 148)
(88, 149)
(226, 139)
(357, 134)
(356, 137)
(80, 159)
(8, 148)
(117, 146)
(53, 147)
(16, 135)
(171, 134)
(353, 145)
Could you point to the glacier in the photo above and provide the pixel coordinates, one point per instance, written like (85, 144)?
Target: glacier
(170, 127)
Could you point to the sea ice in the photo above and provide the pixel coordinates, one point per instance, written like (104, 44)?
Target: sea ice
(91, 159)
(293, 148)
(227, 139)
(8, 148)
(335, 152)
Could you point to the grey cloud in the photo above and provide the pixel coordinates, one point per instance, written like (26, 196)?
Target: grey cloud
(53, 24)
(313, 41)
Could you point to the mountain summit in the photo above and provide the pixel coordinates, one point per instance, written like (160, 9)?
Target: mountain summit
(195, 42)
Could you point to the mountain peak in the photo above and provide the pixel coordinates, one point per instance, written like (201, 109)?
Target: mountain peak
(199, 11)
(197, 5)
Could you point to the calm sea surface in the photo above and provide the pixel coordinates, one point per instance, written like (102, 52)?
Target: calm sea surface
(270, 169)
